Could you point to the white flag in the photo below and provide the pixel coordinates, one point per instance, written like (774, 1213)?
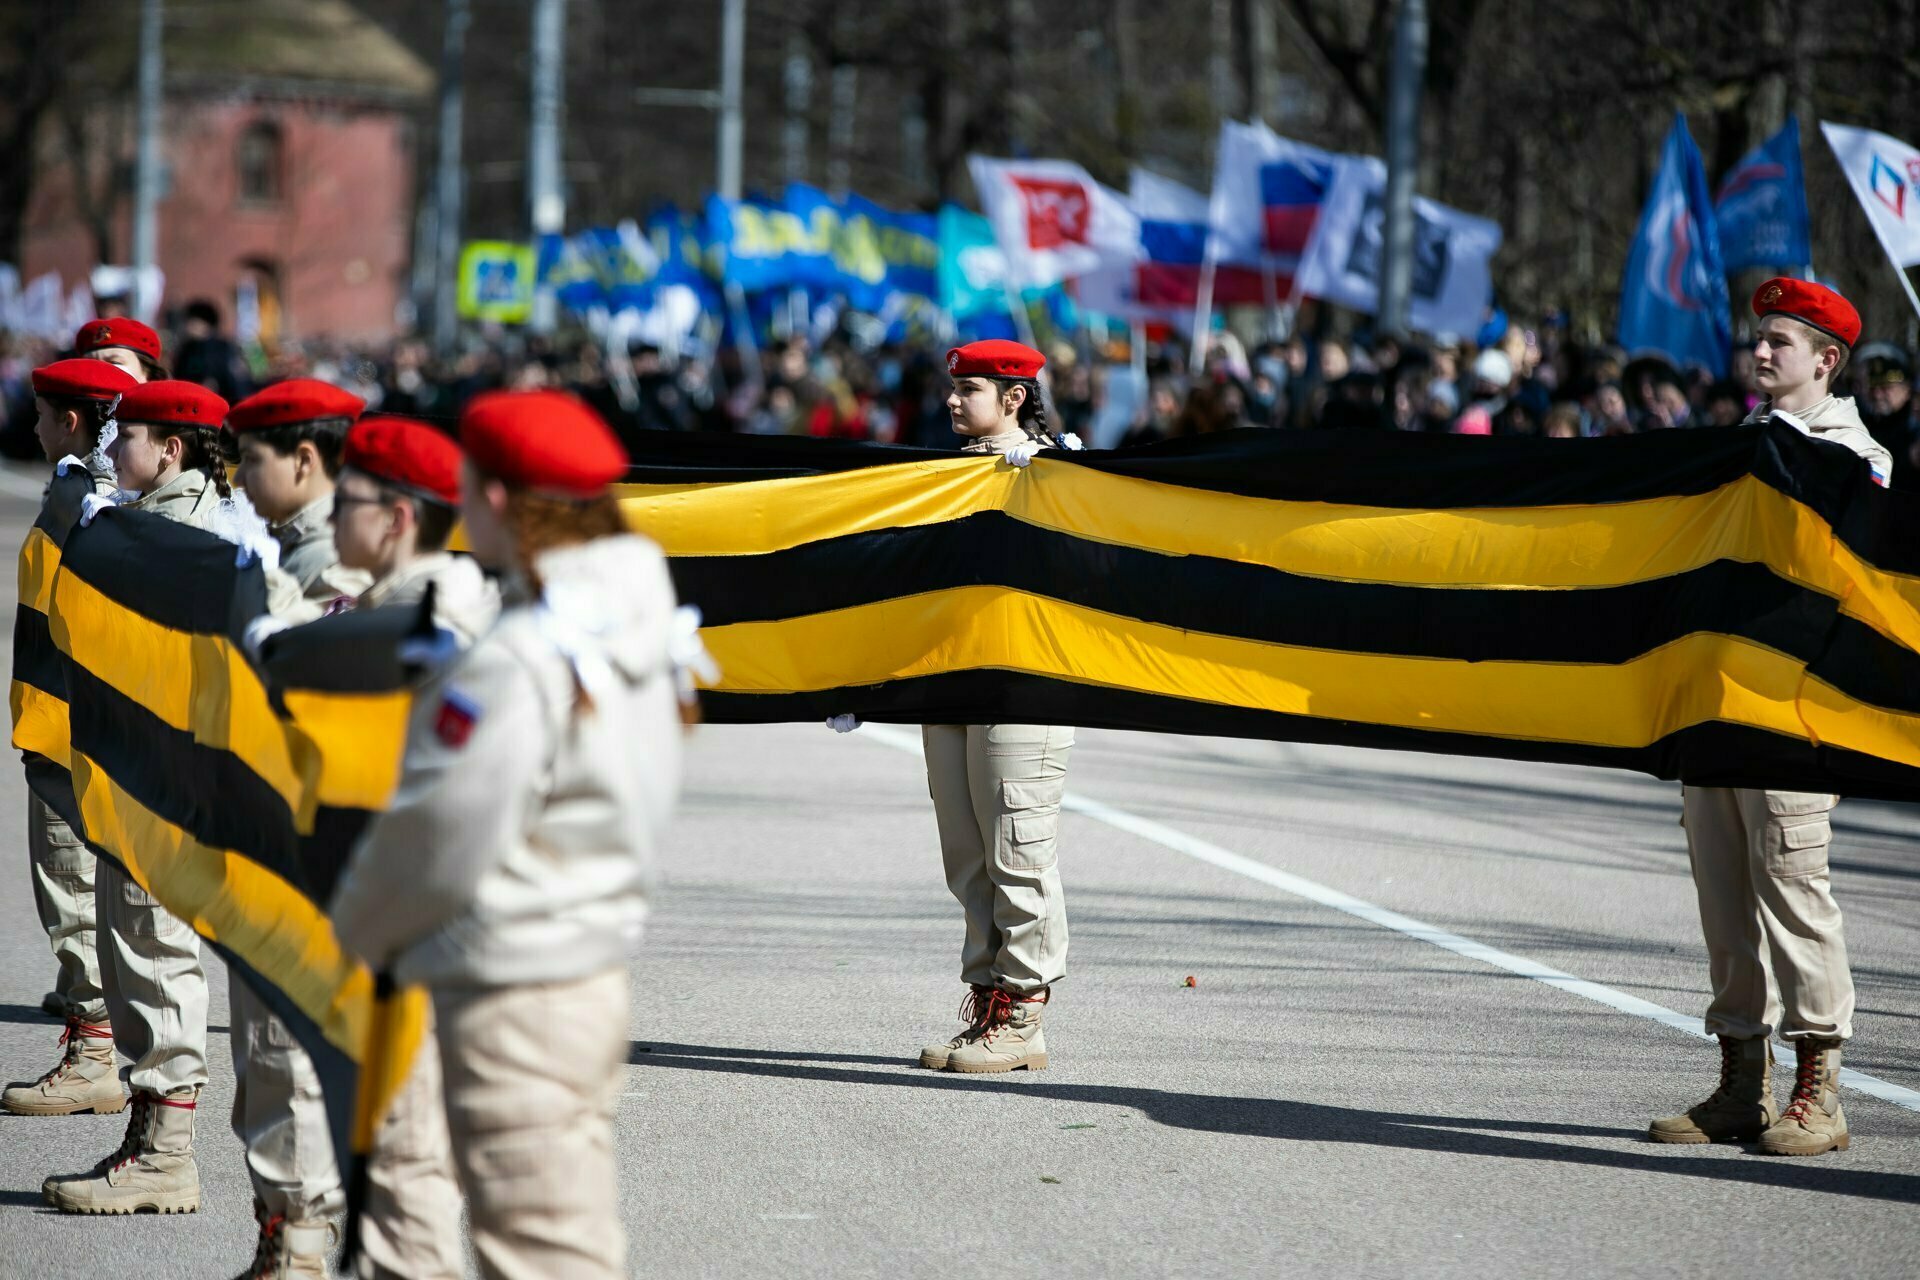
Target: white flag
(1452, 278)
(1885, 175)
(1051, 219)
(42, 305)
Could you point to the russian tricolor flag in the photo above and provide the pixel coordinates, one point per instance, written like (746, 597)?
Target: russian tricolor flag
(1173, 238)
(1267, 196)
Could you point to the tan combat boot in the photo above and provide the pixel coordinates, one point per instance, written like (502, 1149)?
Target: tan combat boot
(129, 1145)
(155, 1171)
(289, 1249)
(1740, 1109)
(1011, 1040)
(973, 1012)
(85, 1079)
(1813, 1121)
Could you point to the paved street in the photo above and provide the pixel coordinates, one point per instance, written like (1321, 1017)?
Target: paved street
(1363, 1081)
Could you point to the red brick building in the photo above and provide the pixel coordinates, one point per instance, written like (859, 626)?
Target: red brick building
(287, 139)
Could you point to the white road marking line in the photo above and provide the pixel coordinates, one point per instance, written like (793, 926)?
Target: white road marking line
(1300, 887)
(786, 1217)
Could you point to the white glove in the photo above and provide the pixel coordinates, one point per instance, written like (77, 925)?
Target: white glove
(688, 653)
(1781, 415)
(843, 723)
(1071, 441)
(92, 505)
(258, 631)
(1022, 454)
(60, 467)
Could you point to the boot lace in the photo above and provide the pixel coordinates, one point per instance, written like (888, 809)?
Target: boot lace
(76, 1030)
(266, 1255)
(988, 1009)
(1806, 1089)
(135, 1141)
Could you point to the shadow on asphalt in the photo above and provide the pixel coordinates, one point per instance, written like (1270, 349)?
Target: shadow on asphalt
(1311, 1122)
(27, 1013)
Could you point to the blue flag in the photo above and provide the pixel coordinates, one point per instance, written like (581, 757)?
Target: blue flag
(1762, 207)
(1674, 297)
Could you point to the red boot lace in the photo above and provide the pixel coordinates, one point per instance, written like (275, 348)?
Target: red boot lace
(1806, 1090)
(987, 1008)
(70, 1039)
(266, 1255)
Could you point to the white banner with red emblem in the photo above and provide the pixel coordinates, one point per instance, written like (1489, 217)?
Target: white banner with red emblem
(1884, 173)
(1052, 220)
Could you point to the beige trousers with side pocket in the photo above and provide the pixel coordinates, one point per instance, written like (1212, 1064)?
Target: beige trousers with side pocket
(996, 796)
(1776, 952)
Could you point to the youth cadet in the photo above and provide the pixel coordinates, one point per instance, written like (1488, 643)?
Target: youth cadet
(1760, 857)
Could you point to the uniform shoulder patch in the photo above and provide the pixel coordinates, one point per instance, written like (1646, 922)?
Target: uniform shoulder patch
(453, 723)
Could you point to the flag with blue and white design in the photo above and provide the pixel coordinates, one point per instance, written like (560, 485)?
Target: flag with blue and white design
(1762, 207)
(1674, 297)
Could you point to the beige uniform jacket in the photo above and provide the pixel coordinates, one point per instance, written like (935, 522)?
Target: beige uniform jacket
(308, 556)
(465, 601)
(538, 774)
(1837, 420)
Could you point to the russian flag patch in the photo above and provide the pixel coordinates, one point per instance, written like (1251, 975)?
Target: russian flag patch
(454, 722)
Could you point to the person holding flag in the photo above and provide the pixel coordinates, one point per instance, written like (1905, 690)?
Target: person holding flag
(996, 788)
(1760, 857)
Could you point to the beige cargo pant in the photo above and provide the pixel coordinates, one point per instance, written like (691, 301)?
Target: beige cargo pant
(1766, 906)
(63, 875)
(996, 796)
(532, 1076)
(155, 987)
(279, 1115)
(410, 1229)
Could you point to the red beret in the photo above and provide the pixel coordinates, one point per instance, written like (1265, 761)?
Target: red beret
(83, 379)
(296, 400)
(408, 454)
(543, 440)
(1809, 303)
(173, 403)
(118, 332)
(995, 358)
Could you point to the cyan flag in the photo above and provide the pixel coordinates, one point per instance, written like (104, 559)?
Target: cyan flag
(1762, 207)
(1674, 297)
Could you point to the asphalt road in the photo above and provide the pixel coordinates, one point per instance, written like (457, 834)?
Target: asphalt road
(1424, 1037)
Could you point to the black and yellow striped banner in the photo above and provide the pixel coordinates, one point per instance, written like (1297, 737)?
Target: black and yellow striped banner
(1730, 607)
(146, 726)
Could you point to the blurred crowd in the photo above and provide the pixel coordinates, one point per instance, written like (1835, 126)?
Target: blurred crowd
(1511, 380)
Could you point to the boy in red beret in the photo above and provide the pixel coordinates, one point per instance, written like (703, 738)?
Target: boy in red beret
(1759, 858)
(290, 436)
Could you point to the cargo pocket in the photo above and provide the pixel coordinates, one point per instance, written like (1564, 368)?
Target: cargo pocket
(1798, 846)
(66, 854)
(1028, 828)
(142, 916)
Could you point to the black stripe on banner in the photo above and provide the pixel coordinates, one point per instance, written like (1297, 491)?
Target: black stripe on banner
(207, 792)
(167, 572)
(60, 508)
(1254, 602)
(325, 853)
(36, 659)
(353, 652)
(1699, 755)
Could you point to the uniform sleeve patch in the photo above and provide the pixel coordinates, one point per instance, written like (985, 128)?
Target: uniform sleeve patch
(453, 723)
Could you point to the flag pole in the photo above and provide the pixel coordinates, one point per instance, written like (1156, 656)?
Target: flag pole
(1202, 313)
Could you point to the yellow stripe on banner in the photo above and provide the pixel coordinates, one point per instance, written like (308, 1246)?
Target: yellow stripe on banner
(40, 723)
(1518, 548)
(273, 927)
(232, 900)
(39, 561)
(1696, 679)
(199, 684)
(358, 738)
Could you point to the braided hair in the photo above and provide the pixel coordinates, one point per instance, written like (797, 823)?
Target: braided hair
(200, 448)
(1032, 414)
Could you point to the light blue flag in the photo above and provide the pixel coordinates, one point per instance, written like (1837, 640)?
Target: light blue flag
(1674, 297)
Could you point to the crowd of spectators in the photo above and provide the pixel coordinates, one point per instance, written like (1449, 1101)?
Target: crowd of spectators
(1514, 380)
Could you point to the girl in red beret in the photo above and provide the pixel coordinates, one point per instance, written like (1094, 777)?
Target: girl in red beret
(996, 788)
(512, 870)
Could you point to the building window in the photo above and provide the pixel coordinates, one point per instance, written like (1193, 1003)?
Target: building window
(259, 162)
